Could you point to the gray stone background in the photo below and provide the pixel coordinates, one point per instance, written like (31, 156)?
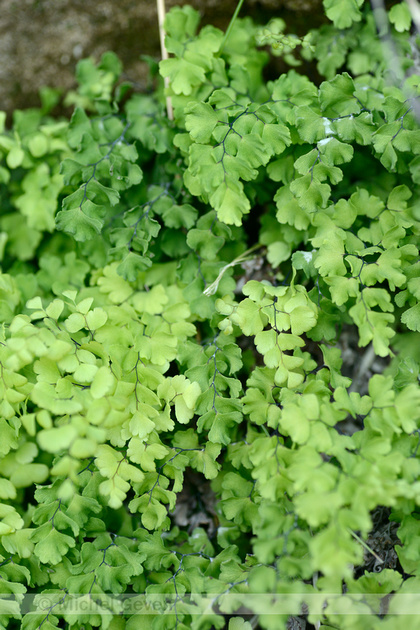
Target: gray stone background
(42, 40)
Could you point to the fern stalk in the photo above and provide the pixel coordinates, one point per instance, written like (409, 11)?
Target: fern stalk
(231, 23)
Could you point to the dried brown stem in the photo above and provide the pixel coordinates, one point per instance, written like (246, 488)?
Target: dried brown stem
(161, 19)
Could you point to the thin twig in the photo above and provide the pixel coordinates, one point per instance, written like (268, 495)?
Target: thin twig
(362, 542)
(254, 621)
(161, 19)
(212, 288)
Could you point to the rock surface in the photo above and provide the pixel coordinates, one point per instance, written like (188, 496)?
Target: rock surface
(42, 40)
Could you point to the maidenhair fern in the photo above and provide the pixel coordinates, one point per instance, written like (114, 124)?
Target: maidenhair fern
(209, 352)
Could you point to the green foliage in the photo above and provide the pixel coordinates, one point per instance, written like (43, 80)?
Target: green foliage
(182, 432)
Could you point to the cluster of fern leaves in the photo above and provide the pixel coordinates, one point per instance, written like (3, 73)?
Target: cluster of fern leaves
(138, 356)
